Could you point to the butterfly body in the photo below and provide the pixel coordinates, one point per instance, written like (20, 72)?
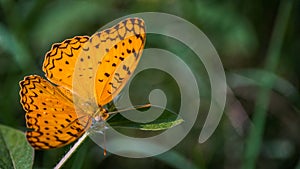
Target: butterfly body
(84, 73)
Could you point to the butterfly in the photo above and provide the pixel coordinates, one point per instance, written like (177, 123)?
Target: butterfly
(83, 75)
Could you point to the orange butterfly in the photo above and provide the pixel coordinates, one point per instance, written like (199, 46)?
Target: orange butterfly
(84, 71)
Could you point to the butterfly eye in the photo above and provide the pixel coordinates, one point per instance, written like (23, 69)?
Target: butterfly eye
(104, 116)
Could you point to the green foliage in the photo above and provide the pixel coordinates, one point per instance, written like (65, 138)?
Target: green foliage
(15, 152)
(165, 121)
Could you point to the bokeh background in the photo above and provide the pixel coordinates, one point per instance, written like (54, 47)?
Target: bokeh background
(258, 43)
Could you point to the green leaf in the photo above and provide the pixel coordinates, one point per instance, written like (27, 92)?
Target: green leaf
(15, 152)
(166, 120)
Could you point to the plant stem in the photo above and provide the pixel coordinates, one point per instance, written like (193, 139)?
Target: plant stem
(253, 143)
(71, 151)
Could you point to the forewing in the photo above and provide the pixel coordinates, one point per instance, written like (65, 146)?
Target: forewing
(119, 64)
(60, 61)
(107, 61)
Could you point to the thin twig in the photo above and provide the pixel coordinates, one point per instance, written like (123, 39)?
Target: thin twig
(71, 151)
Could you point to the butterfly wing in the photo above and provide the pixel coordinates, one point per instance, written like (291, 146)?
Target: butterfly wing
(121, 60)
(60, 61)
(50, 114)
(107, 61)
(97, 68)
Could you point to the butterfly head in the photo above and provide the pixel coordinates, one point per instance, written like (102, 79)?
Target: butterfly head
(98, 120)
(101, 114)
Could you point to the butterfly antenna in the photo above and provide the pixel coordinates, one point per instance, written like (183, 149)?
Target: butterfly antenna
(130, 108)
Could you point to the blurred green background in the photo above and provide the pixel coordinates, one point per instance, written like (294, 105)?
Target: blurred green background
(258, 43)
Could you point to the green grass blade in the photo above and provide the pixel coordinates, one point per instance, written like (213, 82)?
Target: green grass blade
(253, 143)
